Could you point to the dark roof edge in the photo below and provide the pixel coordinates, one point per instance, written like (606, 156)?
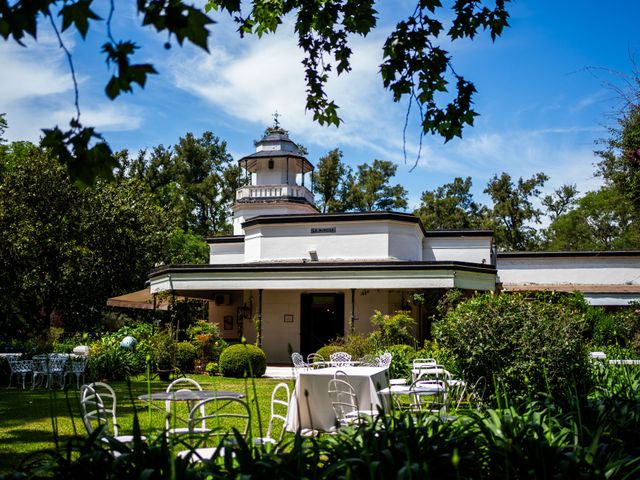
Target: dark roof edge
(287, 199)
(334, 217)
(459, 233)
(324, 266)
(609, 253)
(226, 239)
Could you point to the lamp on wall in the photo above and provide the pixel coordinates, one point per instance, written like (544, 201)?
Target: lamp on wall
(314, 255)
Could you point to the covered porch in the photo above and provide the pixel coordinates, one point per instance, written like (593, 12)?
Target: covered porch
(301, 306)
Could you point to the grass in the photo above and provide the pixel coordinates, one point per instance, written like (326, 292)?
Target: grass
(28, 417)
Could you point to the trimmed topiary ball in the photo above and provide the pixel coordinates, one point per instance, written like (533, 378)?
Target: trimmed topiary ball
(243, 360)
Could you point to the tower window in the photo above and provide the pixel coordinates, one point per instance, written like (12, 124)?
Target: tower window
(270, 164)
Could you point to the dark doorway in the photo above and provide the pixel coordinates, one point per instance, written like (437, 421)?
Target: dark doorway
(322, 319)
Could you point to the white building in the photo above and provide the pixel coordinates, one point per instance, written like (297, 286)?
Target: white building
(310, 277)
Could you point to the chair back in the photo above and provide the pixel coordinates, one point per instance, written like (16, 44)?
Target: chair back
(369, 361)
(19, 366)
(98, 403)
(78, 365)
(343, 399)
(171, 408)
(221, 415)
(428, 395)
(298, 360)
(434, 372)
(56, 363)
(384, 360)
(279, 408)
(315, 358)
(340, 359)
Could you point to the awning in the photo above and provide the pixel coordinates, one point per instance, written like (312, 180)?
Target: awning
(141, 299)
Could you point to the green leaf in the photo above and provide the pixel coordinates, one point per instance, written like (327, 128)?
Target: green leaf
(78, 13)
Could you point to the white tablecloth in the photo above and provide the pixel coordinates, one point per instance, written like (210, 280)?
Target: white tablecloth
(310, 406)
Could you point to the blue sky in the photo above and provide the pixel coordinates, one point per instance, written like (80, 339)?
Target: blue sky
(541, 107)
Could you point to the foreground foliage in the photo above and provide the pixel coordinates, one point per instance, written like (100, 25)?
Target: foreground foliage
(530, 345)
(590, 437)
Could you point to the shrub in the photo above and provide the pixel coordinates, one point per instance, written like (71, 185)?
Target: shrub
(206, 338)
(108, 361)
(396, 329)
(356, 344)
(327, 350)
(186, 355)
(243, 360)
(402, 360)
(442, 355)
(621, 328)
(530, 345)
(163, 349)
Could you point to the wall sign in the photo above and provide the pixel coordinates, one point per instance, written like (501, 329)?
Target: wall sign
(323, 230)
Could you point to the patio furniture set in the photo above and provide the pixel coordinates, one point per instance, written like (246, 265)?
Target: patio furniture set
(47, 370)
(330, 394)
(212, 421)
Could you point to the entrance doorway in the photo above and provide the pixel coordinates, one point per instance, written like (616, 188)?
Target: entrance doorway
(322, 319)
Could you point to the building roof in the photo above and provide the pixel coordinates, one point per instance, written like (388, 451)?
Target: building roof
(337, 265)
(572, 287)
(584, 253)
(362, 216)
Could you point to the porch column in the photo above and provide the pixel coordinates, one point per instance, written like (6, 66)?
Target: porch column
(259, 330)
(352, 322)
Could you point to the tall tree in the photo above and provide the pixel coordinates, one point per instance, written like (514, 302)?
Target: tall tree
(195, 181)
(416, 67)
(620, 164)
(560, 201)
(64, 250)
(602, 220)
(328, 181)
(370, 189)
(513, 210)
(451, 206)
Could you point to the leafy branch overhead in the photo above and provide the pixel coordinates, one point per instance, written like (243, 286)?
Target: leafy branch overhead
(415, 66)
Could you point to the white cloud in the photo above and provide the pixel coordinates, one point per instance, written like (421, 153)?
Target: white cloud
(36, 70)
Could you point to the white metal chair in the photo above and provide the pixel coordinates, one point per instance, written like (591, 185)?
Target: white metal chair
(419, 364)
(224, 417)
(279, 410)
(98, 402)
(345, 403)
(49, 368)
(172, 408)
(77, 367)
(315, 360)
(432, 389)
(21, 368)
(384, 360)
(369, 361)
(340, 359)
(298, 362)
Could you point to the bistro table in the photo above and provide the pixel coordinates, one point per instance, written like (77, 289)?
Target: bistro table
(311, 407)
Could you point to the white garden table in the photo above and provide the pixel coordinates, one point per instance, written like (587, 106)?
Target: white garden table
(310, 407)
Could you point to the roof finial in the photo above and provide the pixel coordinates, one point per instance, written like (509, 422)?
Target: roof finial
(276, 123)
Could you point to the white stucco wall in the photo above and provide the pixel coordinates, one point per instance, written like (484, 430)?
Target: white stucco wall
(358, 240)
(225, 253)
(461, 249)
(592, 270)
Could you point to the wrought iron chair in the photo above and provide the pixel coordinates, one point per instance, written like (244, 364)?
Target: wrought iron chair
(21, 368)
(384, 360)
(340, 359)
(77, 367)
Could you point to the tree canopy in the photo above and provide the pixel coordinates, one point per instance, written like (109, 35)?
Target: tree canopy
(415, 64)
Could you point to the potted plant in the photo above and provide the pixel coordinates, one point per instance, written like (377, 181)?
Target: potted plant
(164, 353)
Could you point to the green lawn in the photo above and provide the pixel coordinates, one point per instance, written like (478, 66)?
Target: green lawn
(27, 417)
